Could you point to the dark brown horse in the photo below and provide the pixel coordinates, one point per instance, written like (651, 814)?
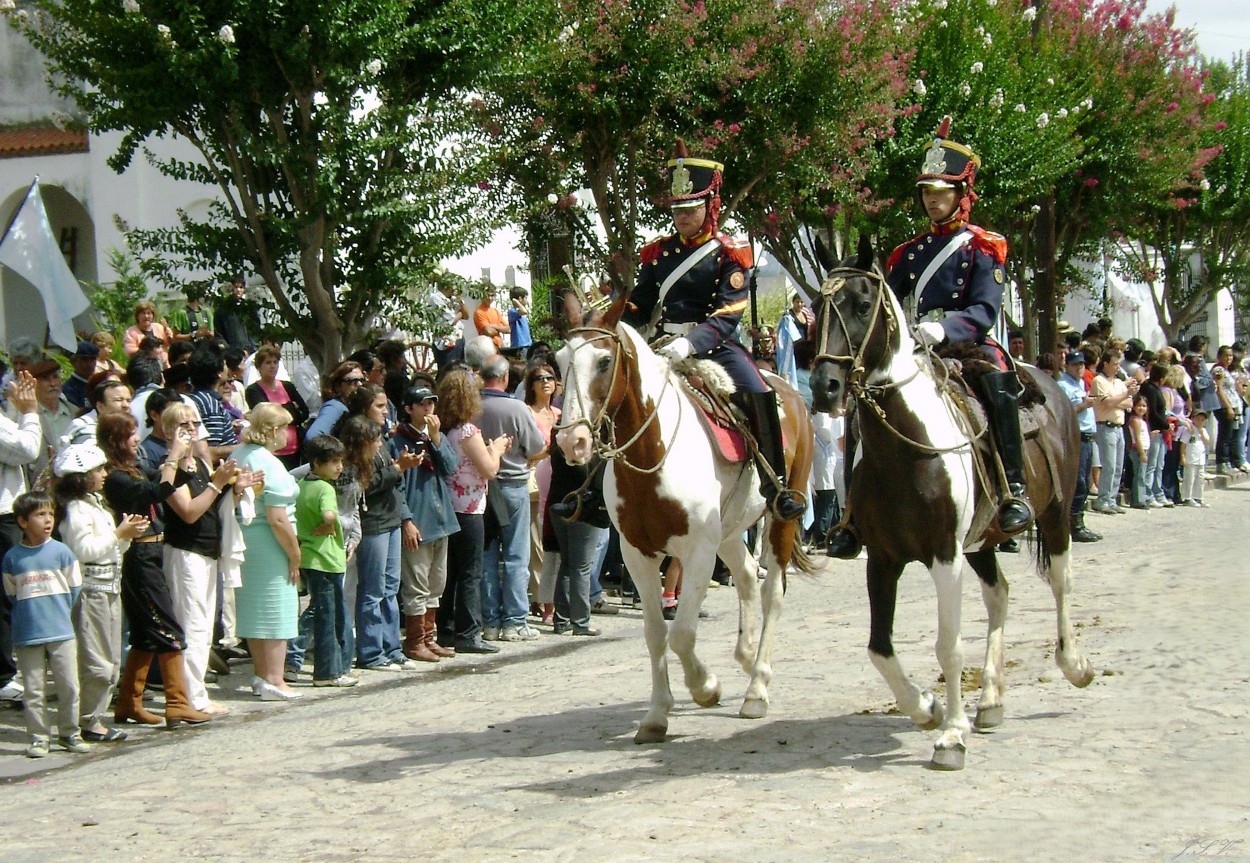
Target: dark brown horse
(919, 492)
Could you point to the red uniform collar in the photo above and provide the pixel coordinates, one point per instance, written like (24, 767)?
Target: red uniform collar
(947, 228)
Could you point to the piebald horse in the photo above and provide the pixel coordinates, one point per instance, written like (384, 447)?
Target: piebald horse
(917, 494)
(670, 494)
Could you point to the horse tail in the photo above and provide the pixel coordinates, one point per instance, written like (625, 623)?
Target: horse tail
(803, 561)
(1041, 552)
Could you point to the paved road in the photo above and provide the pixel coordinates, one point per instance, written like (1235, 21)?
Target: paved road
(529, 755)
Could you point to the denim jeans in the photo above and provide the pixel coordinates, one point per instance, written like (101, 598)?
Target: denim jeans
(1154, 469)
(377, 599)
(579, 544)
(298, 646)
(1111, 453)
(327, 614)
(1084, 466)
(601, 556)
(506, 562)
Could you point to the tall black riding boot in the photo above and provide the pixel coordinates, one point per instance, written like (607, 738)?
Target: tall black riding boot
(844, 543)
(1081, 533)
(761, 411)
(1002, 395)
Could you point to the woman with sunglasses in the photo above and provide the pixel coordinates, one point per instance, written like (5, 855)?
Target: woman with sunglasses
(341, 383)
(541, 385)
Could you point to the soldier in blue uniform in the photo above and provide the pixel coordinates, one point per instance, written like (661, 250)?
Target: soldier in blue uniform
(692, 286)
(955, 271)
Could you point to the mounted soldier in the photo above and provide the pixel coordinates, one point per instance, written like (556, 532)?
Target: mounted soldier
(692, 289)
(955, 272)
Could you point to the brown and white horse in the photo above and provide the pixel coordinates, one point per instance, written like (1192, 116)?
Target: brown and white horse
(916, 494)
(670, 494)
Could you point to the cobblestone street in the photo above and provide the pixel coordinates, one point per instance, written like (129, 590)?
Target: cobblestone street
(529, 755)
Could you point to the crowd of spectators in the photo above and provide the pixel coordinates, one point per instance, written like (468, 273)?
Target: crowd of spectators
(163, 520)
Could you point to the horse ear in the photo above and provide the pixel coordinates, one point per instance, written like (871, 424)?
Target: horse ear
(823, 255)
(864, 261)
(612, 316)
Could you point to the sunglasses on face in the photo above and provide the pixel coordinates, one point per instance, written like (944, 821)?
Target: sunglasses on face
(542, 379)
(354, 381)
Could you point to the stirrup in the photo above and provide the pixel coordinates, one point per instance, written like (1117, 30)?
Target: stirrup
(843, 542)
(1011, 528)
(796, 506)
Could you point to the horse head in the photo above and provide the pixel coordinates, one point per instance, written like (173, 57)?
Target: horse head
(858, 326)
(588, 365)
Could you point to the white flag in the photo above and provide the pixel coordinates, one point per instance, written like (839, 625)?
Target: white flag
(30, 250)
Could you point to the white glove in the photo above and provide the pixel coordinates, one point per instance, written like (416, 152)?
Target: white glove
(931, 333)
(678, 349)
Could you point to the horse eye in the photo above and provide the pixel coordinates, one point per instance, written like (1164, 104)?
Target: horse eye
(605, 363)
(863, 308)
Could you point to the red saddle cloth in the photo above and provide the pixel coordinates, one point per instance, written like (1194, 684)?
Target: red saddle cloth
(727, 441)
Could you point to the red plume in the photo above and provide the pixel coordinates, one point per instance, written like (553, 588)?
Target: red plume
(944, 128)
(680, 152)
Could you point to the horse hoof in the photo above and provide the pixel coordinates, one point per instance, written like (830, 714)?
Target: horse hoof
(651, 734)
(1081, 676)
(989, 717)
(949, 759)
(936, 717)
(710, 699)
(754, 708)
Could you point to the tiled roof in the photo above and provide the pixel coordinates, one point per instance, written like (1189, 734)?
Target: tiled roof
(41, 141)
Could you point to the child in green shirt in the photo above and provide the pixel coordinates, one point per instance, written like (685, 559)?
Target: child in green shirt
(323, 560)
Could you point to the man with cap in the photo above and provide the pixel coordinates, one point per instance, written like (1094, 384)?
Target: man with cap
(1071, 382)
(692, 286)
(956, 273)
(74, 390)
(55, 413)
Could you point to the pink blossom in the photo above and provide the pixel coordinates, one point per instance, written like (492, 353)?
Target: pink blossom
(1091, 182)
(1171, 106)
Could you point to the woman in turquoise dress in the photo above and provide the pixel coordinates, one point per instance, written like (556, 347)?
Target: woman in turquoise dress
(267, 603)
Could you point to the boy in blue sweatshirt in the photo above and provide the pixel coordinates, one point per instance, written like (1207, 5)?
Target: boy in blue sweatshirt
(42, 580)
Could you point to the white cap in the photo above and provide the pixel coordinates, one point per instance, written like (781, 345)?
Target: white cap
(78, 458)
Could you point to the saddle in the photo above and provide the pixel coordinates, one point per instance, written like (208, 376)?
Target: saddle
(710, 387)
(962, 365)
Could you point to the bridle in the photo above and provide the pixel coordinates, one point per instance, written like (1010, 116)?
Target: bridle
(606, 416)
(856, 385)
(856, 374)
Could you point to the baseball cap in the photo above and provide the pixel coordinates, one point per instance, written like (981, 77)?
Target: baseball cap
(87, 349)
(416, 395)
(44, 367)
(1074, 357)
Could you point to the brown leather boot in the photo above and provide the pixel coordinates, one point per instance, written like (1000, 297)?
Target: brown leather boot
(431, 635)
(129, 705)
(414, 640)
(178, 707)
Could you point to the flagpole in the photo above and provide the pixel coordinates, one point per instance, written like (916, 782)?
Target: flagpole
(18, 211)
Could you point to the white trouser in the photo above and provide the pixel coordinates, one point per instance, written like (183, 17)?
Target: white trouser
(192, 582)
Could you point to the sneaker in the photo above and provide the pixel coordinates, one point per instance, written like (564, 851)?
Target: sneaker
(490, 633)
(290, 674)
(1154, 504)
(73, 743)
(38, 747)
(11, 691)
(1204, 504)
(1105, 509)
(1168, 502)
(343, 680)
(518, 633)
(605, 607)
(404, 663)
(383, 665)
(587, 631)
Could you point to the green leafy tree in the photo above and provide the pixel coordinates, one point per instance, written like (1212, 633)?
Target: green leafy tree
(113, 304)
(332, 132)
(1083, 111)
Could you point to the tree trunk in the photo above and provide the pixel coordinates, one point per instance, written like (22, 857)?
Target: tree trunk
(1045, 279)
